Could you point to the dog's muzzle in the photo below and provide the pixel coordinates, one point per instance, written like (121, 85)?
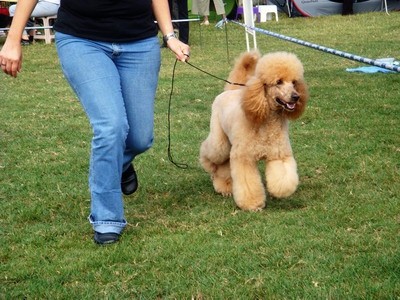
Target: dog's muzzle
(291, 105)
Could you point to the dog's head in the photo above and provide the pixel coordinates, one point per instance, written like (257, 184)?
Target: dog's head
(277, 86)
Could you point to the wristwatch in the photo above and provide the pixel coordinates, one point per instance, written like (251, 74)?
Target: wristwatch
(169, 36)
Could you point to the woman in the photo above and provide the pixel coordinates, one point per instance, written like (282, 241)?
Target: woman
(110, 55)
(202, 8)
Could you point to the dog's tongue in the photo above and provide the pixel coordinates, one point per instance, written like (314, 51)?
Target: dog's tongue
(291, 106)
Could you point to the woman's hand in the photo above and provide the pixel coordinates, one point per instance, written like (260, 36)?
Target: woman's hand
(11, 53)
(162, 13)
(11, 57)
(181, 50)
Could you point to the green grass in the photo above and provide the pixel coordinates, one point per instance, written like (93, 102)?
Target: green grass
(337, 237)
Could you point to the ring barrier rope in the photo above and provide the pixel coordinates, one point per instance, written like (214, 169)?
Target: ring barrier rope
(350, 56)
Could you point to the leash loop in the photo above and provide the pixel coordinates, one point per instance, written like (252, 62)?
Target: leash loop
(171, 159)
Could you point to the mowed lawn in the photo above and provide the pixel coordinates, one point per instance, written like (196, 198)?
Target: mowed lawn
(336, 237)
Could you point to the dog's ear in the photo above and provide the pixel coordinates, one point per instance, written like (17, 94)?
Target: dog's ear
(302, 90)
(255, 104)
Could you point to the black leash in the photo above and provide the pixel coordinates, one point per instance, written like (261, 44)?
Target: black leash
(171, 159)
(219, 78)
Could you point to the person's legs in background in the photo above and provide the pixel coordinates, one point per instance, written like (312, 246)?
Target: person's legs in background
(26, 40)
(220, 8)
(42, 9)
(183, 26)
(202, 8)
(179, 11)
(4, 18)
(173, 9)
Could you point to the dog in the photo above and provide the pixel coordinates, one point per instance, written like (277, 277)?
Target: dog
(250, 123)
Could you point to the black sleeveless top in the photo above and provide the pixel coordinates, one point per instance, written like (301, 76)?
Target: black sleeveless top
(107, 20)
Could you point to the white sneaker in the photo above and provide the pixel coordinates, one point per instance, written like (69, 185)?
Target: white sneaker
(2, 33)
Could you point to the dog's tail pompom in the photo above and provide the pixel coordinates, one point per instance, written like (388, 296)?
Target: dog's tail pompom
(244, 68)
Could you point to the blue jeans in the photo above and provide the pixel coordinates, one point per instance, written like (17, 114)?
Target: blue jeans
(116, 85)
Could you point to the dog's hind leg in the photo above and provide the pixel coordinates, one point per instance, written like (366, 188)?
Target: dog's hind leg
(281, 176)
(205, 162)
(248, 189)
(215, 149)
(214, 158)
(216, 163)
(213, 154)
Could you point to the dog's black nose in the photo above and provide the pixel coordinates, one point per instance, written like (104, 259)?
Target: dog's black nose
(295, 97)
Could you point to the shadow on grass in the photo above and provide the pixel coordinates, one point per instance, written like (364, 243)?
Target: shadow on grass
(195, 190)
(292, 203)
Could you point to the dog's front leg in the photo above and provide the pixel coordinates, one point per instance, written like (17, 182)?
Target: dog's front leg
(281, 176)
(248, 189)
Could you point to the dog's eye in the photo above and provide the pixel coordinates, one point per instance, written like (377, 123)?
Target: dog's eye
(294, 82)
(279, 82)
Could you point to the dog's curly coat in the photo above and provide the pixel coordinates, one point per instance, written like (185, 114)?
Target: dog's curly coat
(250, 123)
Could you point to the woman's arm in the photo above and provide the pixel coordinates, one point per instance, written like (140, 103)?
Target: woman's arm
(163, 17)
(11, 53)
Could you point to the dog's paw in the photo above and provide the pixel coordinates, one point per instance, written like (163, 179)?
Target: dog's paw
(223, 186)
(283, 187)
(251, 205)
(282, 190)
(224, 194)
(225, 190)
(282, 178)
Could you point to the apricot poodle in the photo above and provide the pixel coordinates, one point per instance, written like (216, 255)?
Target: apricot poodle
(250, 123)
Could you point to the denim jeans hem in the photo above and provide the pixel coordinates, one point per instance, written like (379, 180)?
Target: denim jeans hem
(108, 226)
